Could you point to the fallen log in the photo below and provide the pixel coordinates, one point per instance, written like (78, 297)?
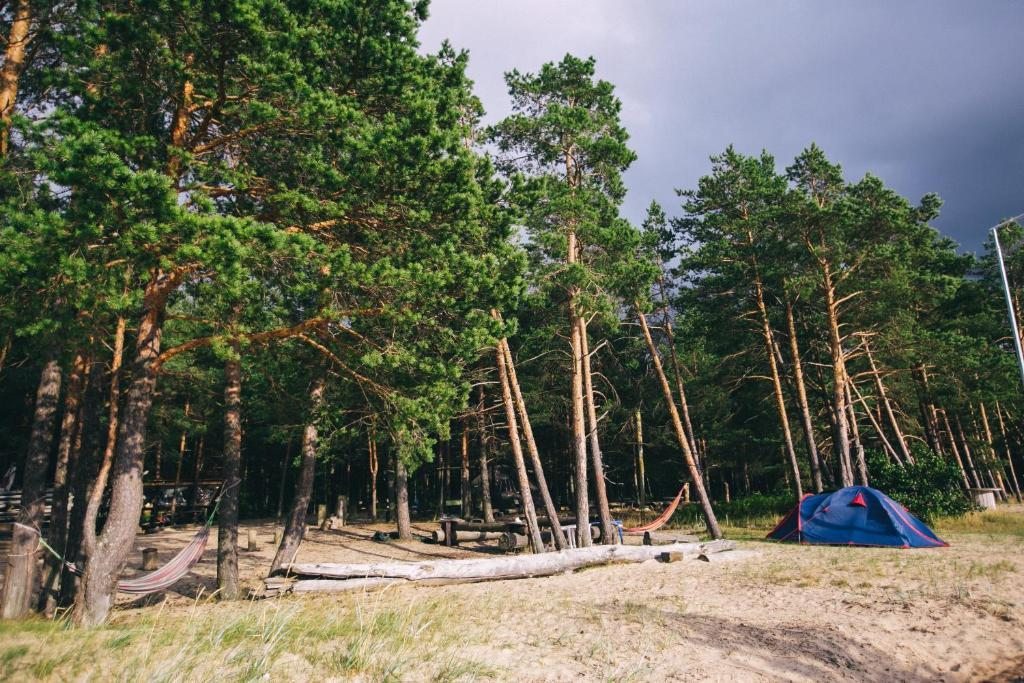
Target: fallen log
(348, 577)
(439, 536)
(511, 540)
(667, 537)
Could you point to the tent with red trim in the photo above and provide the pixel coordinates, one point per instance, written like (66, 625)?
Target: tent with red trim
(856, 515)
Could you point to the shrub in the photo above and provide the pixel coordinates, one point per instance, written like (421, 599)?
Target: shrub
(929, 488)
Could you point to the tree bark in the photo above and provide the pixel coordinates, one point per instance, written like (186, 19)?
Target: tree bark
(801, 393)
(227, 520)
(890, 451)
(641, 475)
(529, 511)
(485, 475)
(18, 37)
(285, 464)
(67, 461)
(841, 438)
(931, 427)
(531, 445)
(780, 401)
(956, 451)
(374, 465)
(608, 533)
(883, 398)
(688, 455)
(862, 465)
(295, 528)
(402, 500)
(19, 577)
(1009, 454)
(579, 431)
(967, 452)
(992, 457)
(684, 405)
(467, 496)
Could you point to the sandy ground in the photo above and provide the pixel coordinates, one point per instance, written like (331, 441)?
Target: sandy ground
(783, 612)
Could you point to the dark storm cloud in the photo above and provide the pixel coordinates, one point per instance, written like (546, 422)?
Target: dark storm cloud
(927, 95)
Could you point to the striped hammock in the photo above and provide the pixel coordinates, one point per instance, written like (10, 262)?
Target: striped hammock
(661, 520)
(159, 579)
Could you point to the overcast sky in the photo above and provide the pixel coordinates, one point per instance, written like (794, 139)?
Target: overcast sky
(927, 95)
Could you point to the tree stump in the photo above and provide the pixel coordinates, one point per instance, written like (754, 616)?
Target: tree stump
(252, 541)
(149, 559)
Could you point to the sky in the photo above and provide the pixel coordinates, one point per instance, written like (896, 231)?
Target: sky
(926, 94)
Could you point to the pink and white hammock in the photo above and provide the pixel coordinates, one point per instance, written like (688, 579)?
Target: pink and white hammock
(659, 521)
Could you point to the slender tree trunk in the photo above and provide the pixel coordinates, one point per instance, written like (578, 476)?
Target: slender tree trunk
(688, 455)
(467, 496)
(684, 405)
(890, 451)
(485, 475)
(374, 469)
(197, 472)
(883, 399)
(927, 412)
(402, 500)
(956, 451)
(557, 536)
(295, 528)
(579, 431)
(227, 521)
(638, 427)
(841, 438)
(19, 576)
(285, 465)
(67, 457)
(991, 459)
(967, 452)
(18, 37)
(529, 511)
(608, 534)
(1009, 454)
(801, 393)
(177, 473)
(862, 465)
(780, 401)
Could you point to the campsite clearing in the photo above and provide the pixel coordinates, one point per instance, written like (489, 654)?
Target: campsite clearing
(794, 612)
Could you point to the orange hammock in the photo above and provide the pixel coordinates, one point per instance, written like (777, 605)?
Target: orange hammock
(661, 519)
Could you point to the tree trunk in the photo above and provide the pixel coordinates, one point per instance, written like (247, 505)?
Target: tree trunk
(531, 445)
(992, 457)
(1009, 454)
(374, 468)
(115, 543)
(688, 455)
(295, 528)
(227, 520)
(967, 452)
(890, 451)
(18, 37)
(801, 393)
(67, 460)
(883, 399)
(780, 401)
(529, 511)
(579, 431)
(862, 465)
(467, 496)
(285, 464)
(485, 475)
(608, 533)
(670, 335)
(19, 577)
(641, 475)
(956, 451)
(931, 431)
(841, 438)
(402, 500)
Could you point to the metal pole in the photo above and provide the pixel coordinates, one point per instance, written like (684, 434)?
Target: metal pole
(1009, 304)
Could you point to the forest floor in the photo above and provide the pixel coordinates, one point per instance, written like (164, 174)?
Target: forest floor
(785, 612)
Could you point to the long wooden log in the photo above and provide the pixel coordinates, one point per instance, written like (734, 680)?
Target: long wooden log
(465, 535)
(345, 577)
(510, 540)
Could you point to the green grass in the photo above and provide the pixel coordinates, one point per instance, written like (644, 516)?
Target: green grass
(998, 522)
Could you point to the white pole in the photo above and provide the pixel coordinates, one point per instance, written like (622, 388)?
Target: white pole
(1009, 303)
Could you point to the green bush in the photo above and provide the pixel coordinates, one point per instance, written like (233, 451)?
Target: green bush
(929, 488)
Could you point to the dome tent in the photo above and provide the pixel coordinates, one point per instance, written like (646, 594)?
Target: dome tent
(856, 515)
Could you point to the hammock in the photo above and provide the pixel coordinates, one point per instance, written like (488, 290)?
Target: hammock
(660, 520)
(167, 575)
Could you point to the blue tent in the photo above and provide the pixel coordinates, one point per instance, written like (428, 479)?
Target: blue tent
(856, 515)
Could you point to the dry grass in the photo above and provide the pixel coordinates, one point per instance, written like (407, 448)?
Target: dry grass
(663, 616)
